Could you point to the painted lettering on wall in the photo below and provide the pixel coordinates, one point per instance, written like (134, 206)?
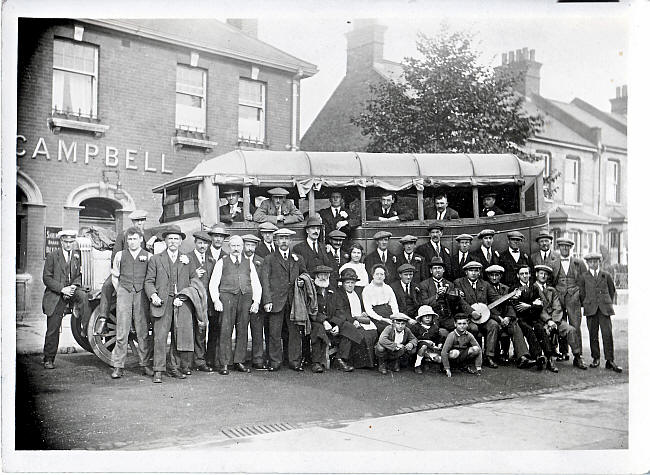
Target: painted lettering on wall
(113, 157)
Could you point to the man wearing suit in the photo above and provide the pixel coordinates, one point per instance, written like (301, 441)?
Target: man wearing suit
(62, 279)
(382, 255)
(489, 208)
(267, 246)
(527, 316)
(409, 256)
(279, 275)
(336, 254)
(513, 258)
(388, 210)
(336, 217)
(434, 248)
(441, 210)
(565, 275)
(311, 249)
(232, 212)
(260, 320)
(441, 295)
(473, 290)
(461, 256)
(545, 255)
(278, 209)
(406, 292)
(167, 274)
(598, 294)
(218, 235)
(485, 255)
(201, 266)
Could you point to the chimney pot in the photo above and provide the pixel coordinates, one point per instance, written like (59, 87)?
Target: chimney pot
(504, 59)
(511, 57)
(624, 91)
(532, 55)
(525, 53)
(518, 55)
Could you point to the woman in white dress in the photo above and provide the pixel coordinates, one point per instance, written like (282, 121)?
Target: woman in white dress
(379, 299)
(356, 253)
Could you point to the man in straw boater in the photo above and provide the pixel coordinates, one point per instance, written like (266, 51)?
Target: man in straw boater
(278, 209)
(236, 292)
(279, 274)
(168, 273)
(62, 279)
(128, 273)
(598, 294)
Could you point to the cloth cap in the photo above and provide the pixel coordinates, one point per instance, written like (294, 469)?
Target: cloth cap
(425, 310)
(399, 316)
(250, 238)
(405, 267)
(382, 234)
(460, 237)
(543, 267)
(544, 234)
(278, 192)
(408, 238)
(565, 241)
(66, 232)
(138, 215)
(494, 268)
(174, 229)
(267, 227)
(435, 225)
(490, 194)
(336, 234)
(229, 191)
(203, 235)
(314, 220)
(348, 274)
(284, 232)
(593, 255)
(486, 232)
(515, 235)
(218, 229)
(473, 265)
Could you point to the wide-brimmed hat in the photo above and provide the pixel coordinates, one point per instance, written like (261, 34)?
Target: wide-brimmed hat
(436, 261)
(174, 229)
(425, 310)
(229, 191)
(348, 274)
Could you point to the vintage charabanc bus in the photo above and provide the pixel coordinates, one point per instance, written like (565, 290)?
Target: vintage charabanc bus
(193, 202)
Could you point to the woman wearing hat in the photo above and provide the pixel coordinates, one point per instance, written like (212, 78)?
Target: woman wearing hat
(379, 299)
(356, 253)
(357, 333)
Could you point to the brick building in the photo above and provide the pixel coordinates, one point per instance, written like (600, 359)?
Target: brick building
(108, 109)
(586, 145)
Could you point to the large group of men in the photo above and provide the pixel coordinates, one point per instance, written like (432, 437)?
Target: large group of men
(443, 309)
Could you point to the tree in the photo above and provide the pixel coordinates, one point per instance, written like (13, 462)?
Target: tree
(448, 102)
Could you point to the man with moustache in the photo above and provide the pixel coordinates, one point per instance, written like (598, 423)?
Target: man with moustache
(434, 248)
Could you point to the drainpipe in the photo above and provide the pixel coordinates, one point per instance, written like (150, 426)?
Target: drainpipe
(295, 85)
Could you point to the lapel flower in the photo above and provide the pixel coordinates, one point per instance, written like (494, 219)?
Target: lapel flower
(393, 212)
(346, 256)
(343, 214)
(394, 260)
(295, 258)
(183, 258)
(75, 255)
(417, 259)
(143, 258)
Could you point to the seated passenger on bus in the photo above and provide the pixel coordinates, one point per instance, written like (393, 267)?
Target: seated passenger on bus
(278, 209)
(441, 209)
(233, 212)
(388, 210)
(337, 216)
(490, 208)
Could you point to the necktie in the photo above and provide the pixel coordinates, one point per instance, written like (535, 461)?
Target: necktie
(338, 256)
(315, 246)
(461, 258)
(336, 213)
(383, 257)
(272, 248)
(173, 258)
(66, 256)
(202, 259)
(408, 289)
(285, 256)
(385, 212)
(489, 255)
(439, 215)
(474, 285)
(437, 248)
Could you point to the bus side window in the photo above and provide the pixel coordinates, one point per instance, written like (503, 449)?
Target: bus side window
(383, 205)
(497, 200)
(458, 199)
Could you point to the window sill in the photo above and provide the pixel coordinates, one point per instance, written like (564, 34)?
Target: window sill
(252, 144)
(58, 123)
(206, 145)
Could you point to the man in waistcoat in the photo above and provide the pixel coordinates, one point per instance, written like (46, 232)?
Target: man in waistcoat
(218, 234)
(236, 292)
(128, 273)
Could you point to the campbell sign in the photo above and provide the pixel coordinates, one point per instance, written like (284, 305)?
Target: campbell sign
(88, 152)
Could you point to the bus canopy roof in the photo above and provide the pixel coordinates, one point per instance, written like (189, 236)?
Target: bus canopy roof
(390, 171)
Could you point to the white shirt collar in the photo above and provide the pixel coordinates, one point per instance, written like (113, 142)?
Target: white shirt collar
(172, 256)
(134, 254)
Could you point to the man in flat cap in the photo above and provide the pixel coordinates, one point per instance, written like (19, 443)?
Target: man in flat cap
(382, 255)
(485, 255)
(490, 208)
(387, 209)
(267, 246)
(62, 279)
(406, 292)
(337, 217)
(460, 257)
(565, 275)
(513, 258)
(441, 211)
(278, 209)
(598, 295)
(474, 290)
(201, 266)
(434, 248)
(545, 255)
(335, 252)
(232, 212)
(279, 274)
(409, 256)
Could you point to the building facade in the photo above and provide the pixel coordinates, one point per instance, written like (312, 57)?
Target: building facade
(587, 146)
(109, 109)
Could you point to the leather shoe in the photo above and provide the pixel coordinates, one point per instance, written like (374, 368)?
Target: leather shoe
(297, 367)
(382, 368)
(241, 368)
(224, 370)
(186, 371)
(316, 368)
(174, 373)
(524, 362)
(342, 365)
(489, 362)
(563, 357)
(417, 370)
(204, 368)
(551, 366)
(48, 364)
(471, 370)
(540, 362)
(595, 363)
(396, 368)
(613, 366)
(259, 367)
(273, 368)
(578, 363)
(117, 373)
(157, 376)
(147, 371)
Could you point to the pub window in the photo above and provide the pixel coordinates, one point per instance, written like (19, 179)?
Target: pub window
(190, 98)
(572, 180)
(74, 78)
(613, 181)
(181, 202)
(252, 110)
(459, 198)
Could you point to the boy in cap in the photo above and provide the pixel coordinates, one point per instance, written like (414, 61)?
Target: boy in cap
(62, 279)
(409, 256)
(201, 266)
(278, 209)
(434, 248)
(461, 348)
(267, 246)
(396, 342)
(382, 255)
(426, 331)
(513, 258)
(406, 292)
(597, 295)
(128, 273)
(490, 208)
(461, 256)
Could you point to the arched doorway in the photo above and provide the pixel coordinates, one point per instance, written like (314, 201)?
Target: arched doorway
(98, 213)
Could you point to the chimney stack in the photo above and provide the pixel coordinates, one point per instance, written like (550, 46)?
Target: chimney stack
(619, 103)
(365, 44)
(522, 62)
(246, 25)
